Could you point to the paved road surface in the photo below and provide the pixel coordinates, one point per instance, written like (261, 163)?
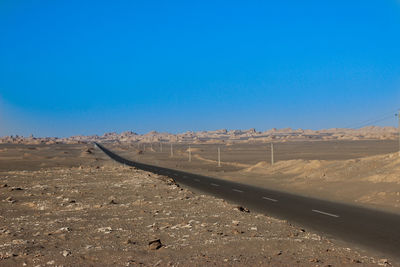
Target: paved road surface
(366, 228)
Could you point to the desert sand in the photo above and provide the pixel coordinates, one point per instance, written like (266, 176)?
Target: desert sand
(65, 203)
(80, 208)
(359, 172)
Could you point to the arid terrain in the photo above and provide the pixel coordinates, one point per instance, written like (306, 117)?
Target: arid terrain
(65, 203)
(219, 136)
(360, 172)
(69, 205)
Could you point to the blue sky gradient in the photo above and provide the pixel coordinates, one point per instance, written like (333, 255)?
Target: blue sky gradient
(68, 67)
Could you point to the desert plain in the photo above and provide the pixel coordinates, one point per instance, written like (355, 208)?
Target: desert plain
(361, 172)
(64, 203)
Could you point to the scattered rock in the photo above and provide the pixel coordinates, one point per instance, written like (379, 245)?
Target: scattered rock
(5, 231)
(66, 253)
(16, 189)
(11, 200)
(234, 222)
(113, 202)
(237, 232)
(155, 244)
(4, 256)
(4, 185)
(131, 242)
(62, 230)
(171, 181)
(88, 151)
(242, 209)
(105, 230)
(199, 224)
(383, 262)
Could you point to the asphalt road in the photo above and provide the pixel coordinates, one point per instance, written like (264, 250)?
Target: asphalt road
(366, 228)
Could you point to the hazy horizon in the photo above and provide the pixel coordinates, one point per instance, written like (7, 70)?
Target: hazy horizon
(183, 132)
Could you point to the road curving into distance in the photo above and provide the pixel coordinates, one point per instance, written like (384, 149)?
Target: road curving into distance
(365, 228)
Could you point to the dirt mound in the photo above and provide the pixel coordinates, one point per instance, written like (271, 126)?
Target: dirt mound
(376, 169)
(194, 149)
(288, 166)
(262, 166)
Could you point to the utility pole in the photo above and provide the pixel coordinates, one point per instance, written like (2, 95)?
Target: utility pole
(272, 153)
(151, 146)
(219, 157)
(172, 151)
(190, 155)
(160, 147)
(398, 116)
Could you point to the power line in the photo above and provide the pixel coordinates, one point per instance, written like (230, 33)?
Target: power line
(368, 121)
(375, 121)
(382, 117)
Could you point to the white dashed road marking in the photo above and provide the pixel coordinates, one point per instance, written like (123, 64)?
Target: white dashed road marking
(237, 190)
(270, 199)
(214, 184)
(326, 213)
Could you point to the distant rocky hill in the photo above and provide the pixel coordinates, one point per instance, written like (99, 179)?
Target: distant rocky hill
(220, 136)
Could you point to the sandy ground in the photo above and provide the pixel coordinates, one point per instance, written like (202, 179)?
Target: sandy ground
(364, 172)
(83, 209)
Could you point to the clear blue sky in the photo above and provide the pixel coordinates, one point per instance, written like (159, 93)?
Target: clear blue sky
(89, 67)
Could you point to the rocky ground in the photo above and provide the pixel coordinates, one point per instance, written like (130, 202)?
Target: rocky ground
(105, 214)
